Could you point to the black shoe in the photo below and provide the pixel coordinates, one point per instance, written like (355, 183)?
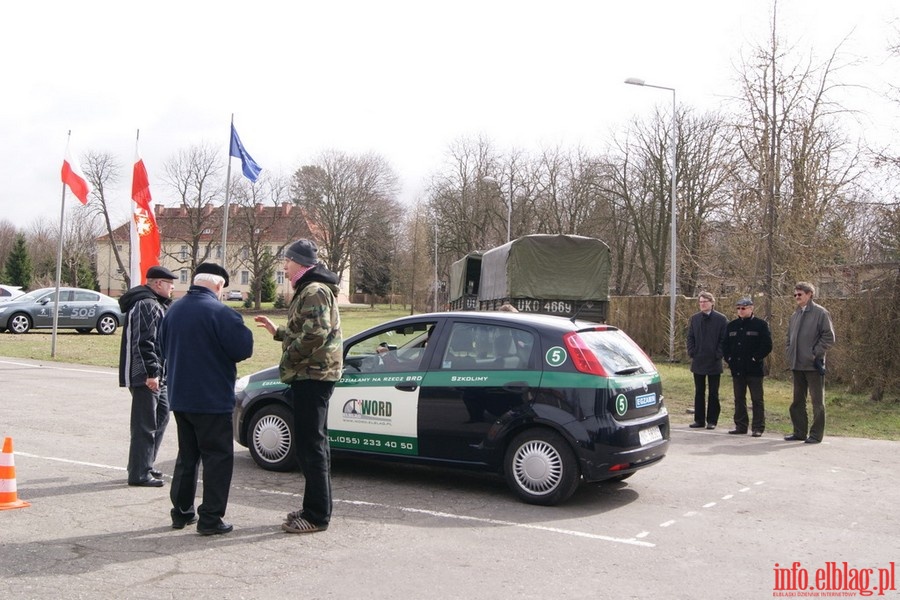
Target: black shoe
(149, 482)
(697, 425)
(180, 523)
(812, 440)
(738, 432)
(221, 528)
(794, 438)
(711, 426)
(155, 473)
(757, 434)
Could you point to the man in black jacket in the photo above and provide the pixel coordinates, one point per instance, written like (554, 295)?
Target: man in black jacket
(141, 371)
(706, 333)
(748, 341)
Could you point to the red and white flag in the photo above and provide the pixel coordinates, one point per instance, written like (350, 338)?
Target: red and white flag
(74, 178)
(145, 239)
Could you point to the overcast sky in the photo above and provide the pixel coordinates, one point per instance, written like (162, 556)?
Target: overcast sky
(403, 79)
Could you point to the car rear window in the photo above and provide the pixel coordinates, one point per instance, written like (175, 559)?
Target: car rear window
(617, 352)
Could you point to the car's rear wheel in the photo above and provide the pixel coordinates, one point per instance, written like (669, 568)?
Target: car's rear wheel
(541, 468)
(19, 323)
(270, 438)
(107, 324)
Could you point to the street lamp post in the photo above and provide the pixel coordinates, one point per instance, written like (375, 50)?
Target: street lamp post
(435, 265)
(672, 249)
(509, 202)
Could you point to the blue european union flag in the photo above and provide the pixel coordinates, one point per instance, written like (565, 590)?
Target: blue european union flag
(248, 165)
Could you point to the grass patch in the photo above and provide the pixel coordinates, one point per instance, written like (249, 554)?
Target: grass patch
(847, 414)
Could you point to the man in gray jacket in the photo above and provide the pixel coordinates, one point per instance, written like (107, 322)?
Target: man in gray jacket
(810, 335)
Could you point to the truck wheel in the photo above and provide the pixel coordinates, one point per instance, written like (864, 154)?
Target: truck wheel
(541, 468)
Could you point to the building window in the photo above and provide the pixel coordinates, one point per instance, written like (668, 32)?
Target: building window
(183, 276)
(245, 277)
(279, 277)
(184, 252)
(219, 251)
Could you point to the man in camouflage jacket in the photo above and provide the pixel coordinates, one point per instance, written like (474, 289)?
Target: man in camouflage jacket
(311, 362)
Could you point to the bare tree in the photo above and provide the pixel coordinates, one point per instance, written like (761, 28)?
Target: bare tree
(195, 176)
(340, 193)
(264, 221)
(104, 172)
(797, 163)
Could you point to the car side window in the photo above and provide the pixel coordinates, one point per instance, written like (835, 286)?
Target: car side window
(487, 347)
(391, 351)
(86, 296)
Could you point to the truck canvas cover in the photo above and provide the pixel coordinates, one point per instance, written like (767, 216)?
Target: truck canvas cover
(546, 267)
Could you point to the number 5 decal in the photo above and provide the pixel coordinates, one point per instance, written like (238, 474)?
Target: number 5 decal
(556, 356)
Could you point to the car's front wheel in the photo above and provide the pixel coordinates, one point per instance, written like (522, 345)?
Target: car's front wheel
(107, 325)
(19, 323)
(541, 468)
(270, 438)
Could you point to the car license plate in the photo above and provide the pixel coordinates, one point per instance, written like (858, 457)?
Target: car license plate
(648, 436)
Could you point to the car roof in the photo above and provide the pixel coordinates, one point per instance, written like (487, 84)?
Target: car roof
(533, 319)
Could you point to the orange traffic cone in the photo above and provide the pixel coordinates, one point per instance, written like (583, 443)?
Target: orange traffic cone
(9, 498)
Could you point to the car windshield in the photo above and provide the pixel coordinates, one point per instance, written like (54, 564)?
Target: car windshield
(617, 352)
(30, 296)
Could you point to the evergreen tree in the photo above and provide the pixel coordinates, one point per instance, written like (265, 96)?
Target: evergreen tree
(18, 269)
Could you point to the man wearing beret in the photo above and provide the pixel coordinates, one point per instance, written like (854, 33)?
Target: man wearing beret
(141, 371)
(202, 341)
(311, 362)
(748, 341)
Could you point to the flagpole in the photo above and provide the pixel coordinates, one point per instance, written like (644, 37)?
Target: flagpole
(227, 197)
(59, 248)
(135, 258)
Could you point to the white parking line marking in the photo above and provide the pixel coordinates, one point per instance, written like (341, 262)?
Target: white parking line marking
(432, 513)
(690, 513)
(727, 496)
(55, 368)
(667, 523)
(709, 505)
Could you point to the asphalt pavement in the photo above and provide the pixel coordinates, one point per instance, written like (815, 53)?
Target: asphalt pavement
(721, 517)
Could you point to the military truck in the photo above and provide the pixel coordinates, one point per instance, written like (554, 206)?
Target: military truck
(565, 275)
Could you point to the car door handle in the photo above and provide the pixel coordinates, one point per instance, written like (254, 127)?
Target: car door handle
(407, 386)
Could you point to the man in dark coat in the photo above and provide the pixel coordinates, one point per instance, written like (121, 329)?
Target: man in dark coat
(141, 371)
(202, 340)
(706, 333)
(748, 341)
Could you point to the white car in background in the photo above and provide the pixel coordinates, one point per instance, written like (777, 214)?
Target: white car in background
(8, 292)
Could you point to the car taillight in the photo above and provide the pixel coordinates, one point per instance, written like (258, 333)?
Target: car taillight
(582, 356)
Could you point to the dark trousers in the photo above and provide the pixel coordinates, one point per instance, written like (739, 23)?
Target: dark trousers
(755, 384)
(149, 417)
(206, 439)
(814, 384)
(709, 416)
(310, 400)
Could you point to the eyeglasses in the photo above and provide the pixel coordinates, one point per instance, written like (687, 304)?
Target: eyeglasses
(743, 308)
(797, 295)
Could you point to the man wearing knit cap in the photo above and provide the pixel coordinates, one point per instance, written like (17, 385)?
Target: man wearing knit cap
(311, 362)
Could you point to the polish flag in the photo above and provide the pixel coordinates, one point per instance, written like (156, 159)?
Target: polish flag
(74, 178)
(145, 241)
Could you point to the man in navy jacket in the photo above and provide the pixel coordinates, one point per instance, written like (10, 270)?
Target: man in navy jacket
(202, 340)
(748, 341)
